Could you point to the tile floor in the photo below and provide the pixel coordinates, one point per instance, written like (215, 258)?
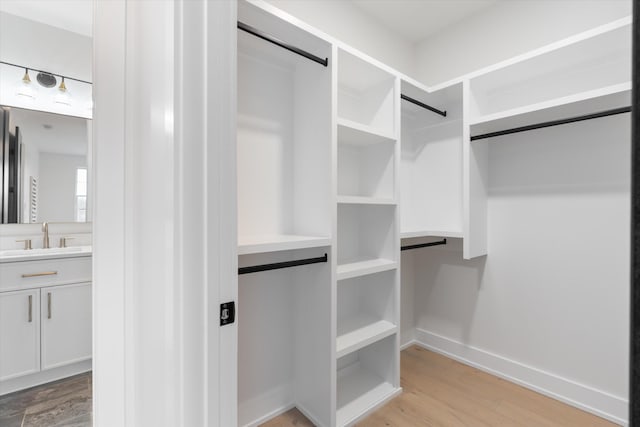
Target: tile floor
(66, 402)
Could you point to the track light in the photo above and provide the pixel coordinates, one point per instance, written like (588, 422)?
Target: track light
(25, 88)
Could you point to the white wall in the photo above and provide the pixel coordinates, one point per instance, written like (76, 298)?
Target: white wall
(508, 29)
(56, 196)
(32, 44)
(344, 21)
(549, 305)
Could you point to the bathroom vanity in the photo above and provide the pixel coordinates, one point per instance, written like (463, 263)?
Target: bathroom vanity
(45, 315)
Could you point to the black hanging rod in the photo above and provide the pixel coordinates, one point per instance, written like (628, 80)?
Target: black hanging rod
(251, 30)
(553, 123)
(278, 265)
(424, 245)
(44, 72)
(423, 105)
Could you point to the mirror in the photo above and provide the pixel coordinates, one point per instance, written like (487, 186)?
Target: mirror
(47, 167)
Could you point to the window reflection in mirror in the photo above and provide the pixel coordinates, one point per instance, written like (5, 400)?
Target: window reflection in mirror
(47, 167)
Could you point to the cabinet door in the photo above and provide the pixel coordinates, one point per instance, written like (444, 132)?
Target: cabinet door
(19, 333)
(66, 324)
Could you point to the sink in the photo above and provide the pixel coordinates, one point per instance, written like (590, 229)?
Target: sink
(40, 252)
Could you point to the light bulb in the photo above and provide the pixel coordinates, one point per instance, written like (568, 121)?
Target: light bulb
(63, 97)
(25, 88)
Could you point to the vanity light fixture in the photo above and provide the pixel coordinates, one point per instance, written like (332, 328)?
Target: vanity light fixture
(25, 88)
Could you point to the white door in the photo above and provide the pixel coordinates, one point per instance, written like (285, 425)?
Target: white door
(66, 324)
(19, 333)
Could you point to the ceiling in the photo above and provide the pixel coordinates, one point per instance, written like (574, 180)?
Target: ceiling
(71, 15)
(416, 20)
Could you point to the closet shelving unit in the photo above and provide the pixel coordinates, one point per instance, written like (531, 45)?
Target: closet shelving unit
(581, 75)
(332, 160)
(367, 274)
(286, 340)
(431, 165)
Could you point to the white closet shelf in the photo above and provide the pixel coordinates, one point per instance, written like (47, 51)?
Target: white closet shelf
(364, 266)
(359, 200)
(587, 102)
(278, 242)
(359, 331)
(359, 392)
(354, 133)
(430, 233)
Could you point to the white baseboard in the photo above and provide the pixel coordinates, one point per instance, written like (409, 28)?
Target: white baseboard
(598, 402)
(260, 409)
(407, 337)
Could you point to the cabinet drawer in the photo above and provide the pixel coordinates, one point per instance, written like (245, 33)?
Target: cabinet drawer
(31, 274)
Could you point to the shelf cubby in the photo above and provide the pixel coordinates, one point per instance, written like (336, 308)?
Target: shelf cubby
(367, 239)
(366, 170)
(366, 94)
(283, 139)
(366, 311)
(595, 59)
(367, 379)
(588, 102)
(431, 163)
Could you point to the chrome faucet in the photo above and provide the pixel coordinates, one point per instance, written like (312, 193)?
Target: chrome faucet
(45, 239)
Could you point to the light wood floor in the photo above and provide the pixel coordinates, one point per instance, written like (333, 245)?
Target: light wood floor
(439, 391)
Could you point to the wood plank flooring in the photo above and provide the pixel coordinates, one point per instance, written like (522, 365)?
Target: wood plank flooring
(66, 402)
(439, 391)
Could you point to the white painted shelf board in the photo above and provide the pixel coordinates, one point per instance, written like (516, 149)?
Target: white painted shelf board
(359, 392)
(438, 125)
(362, 267)
(430, 233)
(359, 200)
(359, 331)
(560, 108)
(354, 133)
(280, 242)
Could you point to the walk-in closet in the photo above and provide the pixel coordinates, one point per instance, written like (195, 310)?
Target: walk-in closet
(377, 213)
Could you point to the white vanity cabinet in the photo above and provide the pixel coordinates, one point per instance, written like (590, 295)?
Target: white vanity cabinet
(66, 324)
(19, 333)
(45, 319)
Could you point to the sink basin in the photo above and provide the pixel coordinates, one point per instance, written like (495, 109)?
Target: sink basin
(11, 253)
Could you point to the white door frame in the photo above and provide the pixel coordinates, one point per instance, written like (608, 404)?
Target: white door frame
(164, 233)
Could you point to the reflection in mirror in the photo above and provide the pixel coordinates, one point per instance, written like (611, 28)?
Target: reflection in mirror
(45, 167)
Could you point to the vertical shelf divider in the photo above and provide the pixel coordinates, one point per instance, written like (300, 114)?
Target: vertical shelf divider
(366, 276)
